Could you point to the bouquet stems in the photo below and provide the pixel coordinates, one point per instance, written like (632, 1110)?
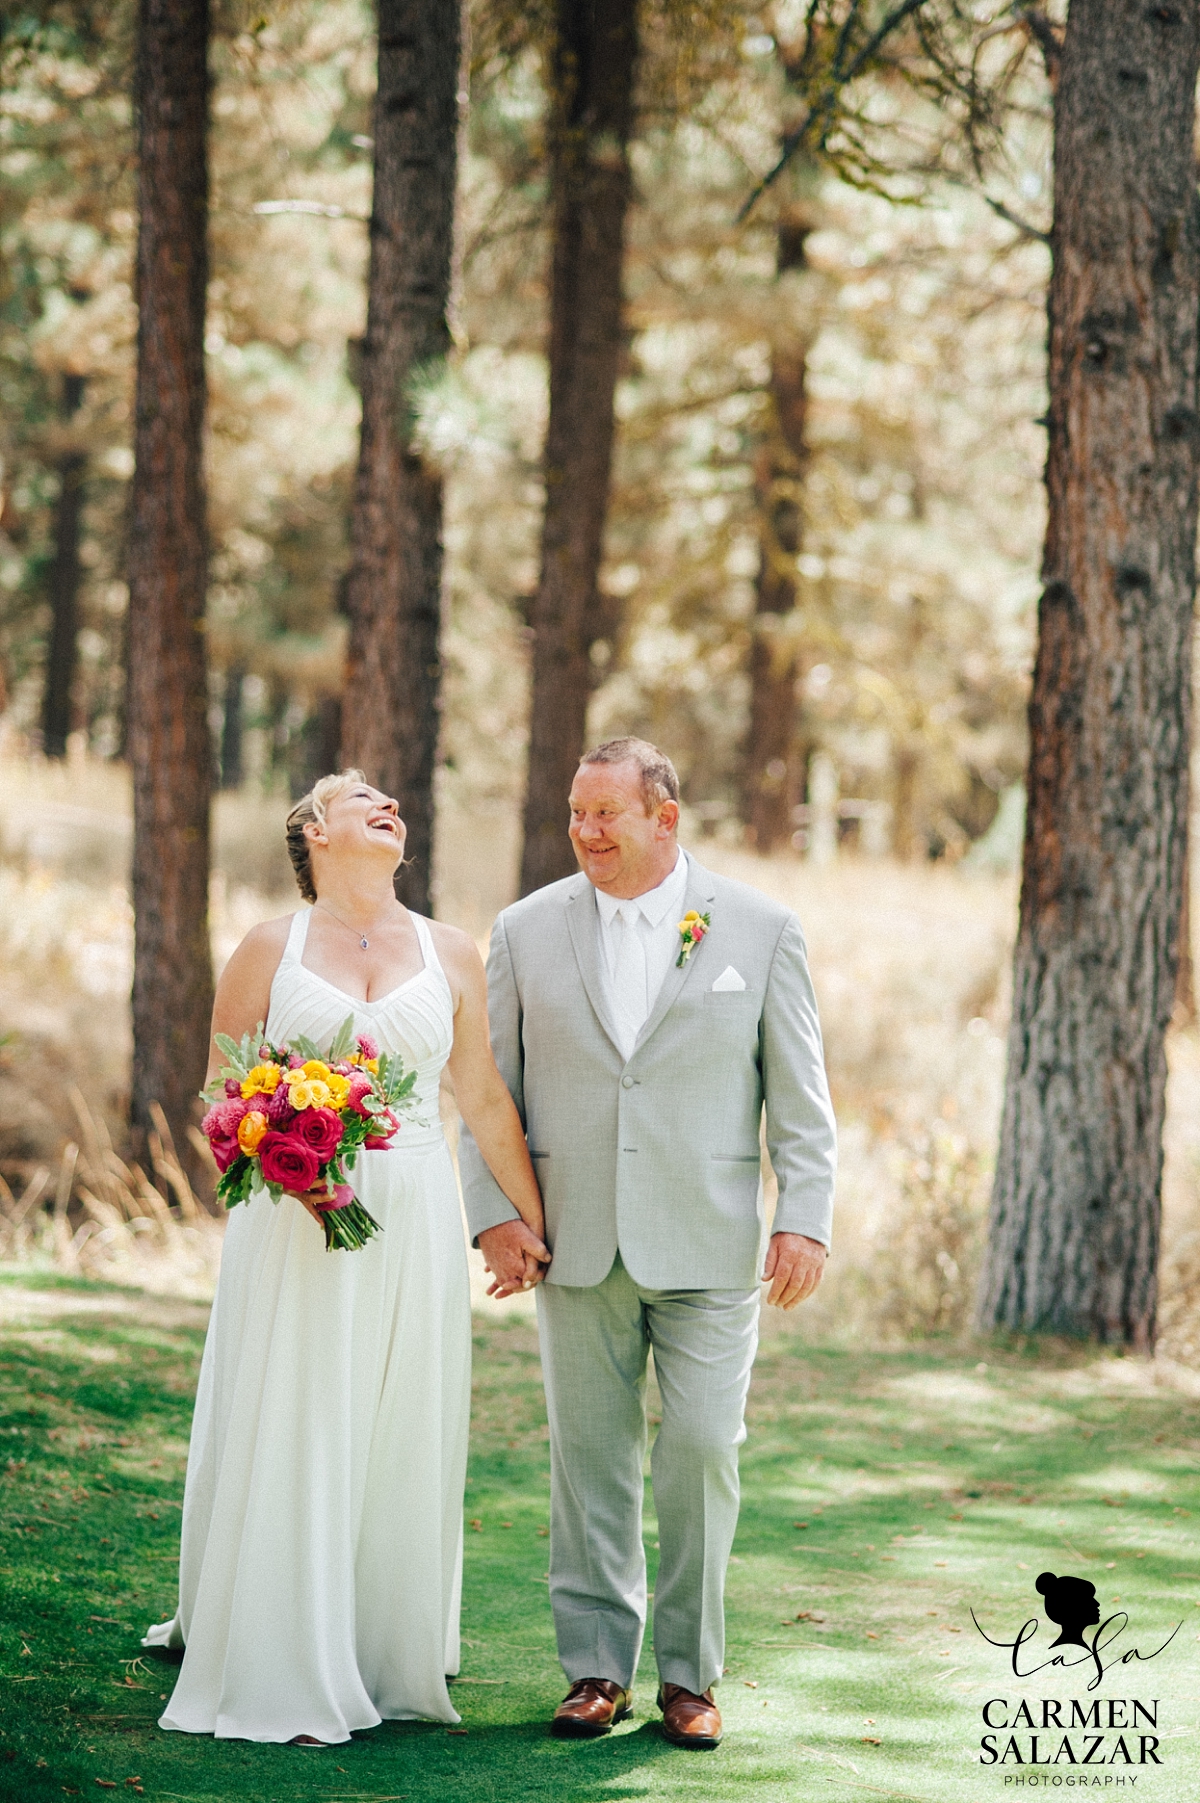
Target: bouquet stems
(347, 1229)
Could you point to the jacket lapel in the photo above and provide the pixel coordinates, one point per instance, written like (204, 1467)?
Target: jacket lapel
(698, 894)
(583, 926)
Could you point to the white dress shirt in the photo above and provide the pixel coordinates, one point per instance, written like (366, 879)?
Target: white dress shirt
(640, 941)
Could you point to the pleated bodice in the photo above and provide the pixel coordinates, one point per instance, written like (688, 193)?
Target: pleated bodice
(414, 1021)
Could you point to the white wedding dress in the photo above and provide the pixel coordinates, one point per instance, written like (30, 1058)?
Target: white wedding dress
(321, 1562)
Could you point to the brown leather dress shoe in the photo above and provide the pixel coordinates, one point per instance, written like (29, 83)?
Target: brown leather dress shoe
(590, 1707)
(689, 1720)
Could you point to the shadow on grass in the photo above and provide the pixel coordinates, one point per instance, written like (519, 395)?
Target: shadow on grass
(884, 1495)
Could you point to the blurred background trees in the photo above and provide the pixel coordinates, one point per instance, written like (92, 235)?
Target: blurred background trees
(901, 319)
(715, 411)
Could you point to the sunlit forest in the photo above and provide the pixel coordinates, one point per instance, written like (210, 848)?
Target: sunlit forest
(812, 389)
(817, 583)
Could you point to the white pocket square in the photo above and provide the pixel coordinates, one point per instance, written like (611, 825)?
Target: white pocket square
(728, 980)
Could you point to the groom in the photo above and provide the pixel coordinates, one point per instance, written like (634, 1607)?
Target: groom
(641, 1059)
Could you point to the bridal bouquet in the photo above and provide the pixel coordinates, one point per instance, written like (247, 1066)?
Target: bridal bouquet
(290, 1117)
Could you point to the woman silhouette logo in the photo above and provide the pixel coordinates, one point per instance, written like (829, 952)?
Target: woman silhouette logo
(1071, 1603)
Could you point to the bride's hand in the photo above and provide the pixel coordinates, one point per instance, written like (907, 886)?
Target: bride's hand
(309, 1198)
(515, 1255)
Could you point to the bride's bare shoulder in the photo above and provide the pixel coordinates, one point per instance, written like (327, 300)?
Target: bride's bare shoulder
(453, 945)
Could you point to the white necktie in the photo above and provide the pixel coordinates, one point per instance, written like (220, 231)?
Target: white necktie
(629, 979)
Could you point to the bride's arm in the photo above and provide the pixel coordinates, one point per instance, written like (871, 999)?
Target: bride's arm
(482, 1094)
(243, 999)
(244, 990)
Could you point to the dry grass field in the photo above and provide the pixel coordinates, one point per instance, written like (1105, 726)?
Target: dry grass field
(911, 968)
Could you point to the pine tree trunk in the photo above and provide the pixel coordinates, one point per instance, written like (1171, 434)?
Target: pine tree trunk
(233, 726)
(1184, 1012)
(393, 595)
(773, 777)
(167, 689)
(1075, 1217)
(65, 573)
(592, 111)
(64, 606)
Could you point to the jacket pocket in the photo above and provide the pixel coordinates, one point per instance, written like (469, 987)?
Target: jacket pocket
(736, 1157)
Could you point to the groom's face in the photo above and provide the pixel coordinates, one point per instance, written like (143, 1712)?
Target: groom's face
(621, 849)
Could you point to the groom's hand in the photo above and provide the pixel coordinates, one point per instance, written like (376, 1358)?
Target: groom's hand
(793, 1268)
(515, 1256)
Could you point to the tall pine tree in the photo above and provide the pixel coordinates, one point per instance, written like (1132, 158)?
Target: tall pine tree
(593, 64)
(167, 727)
(1075, 1215)
(390, 716)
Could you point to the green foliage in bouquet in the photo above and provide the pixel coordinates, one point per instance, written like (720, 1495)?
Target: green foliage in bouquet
(289, 1118)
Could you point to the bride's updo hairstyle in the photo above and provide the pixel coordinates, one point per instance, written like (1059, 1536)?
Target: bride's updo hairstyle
(310, 811)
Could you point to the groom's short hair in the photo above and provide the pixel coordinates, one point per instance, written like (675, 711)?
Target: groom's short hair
(660, 780)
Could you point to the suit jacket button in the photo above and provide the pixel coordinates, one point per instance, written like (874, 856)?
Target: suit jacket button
(626, 1082)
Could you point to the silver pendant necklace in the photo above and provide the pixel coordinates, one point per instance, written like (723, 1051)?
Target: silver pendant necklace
(358, 933)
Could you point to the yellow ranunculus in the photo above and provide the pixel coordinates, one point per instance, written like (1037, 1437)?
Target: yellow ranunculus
(315, 1068)
(367, 1064)
(339, 1090)
(251, 1129)
(309, 1093)
(262, 1081)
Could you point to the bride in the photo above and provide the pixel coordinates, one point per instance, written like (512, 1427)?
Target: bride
(321, 1561)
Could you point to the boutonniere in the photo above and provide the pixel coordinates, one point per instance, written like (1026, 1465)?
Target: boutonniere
(692, 929)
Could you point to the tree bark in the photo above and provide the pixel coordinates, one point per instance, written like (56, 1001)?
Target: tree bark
(65, 573)
(1074, 1232)
(595, 56)
(393, 594)
(233, 726)
(167, 690)
(1184, 1012)
(773, 774)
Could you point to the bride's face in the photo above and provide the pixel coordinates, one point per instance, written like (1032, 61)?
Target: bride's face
(360, 821)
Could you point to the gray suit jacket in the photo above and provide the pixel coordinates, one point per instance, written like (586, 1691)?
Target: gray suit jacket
(659, 1157)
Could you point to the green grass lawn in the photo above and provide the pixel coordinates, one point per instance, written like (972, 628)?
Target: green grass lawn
(886, 1495)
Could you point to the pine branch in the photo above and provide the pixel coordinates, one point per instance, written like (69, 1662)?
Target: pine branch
(823, 109)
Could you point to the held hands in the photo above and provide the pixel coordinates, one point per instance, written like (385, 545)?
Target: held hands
(515, 1256)
(793, 1268)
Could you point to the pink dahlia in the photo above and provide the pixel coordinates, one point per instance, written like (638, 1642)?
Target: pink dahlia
(360, 1087)
(224, 1118)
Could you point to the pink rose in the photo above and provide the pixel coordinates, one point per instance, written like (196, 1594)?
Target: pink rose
(224, 1151)
(224, 1118)
(698, 931)
(287, 1161)
(367, 1046)
(386, 1127)
(342, 1197)
(319, 1129)
(360, 1086)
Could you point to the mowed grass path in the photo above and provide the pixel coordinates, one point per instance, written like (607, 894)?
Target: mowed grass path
(927, 1486)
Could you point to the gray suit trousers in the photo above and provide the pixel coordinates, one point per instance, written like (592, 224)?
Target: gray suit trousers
(595, 1342)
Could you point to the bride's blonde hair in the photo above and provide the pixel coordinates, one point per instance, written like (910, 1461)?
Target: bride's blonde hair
(310, 811)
